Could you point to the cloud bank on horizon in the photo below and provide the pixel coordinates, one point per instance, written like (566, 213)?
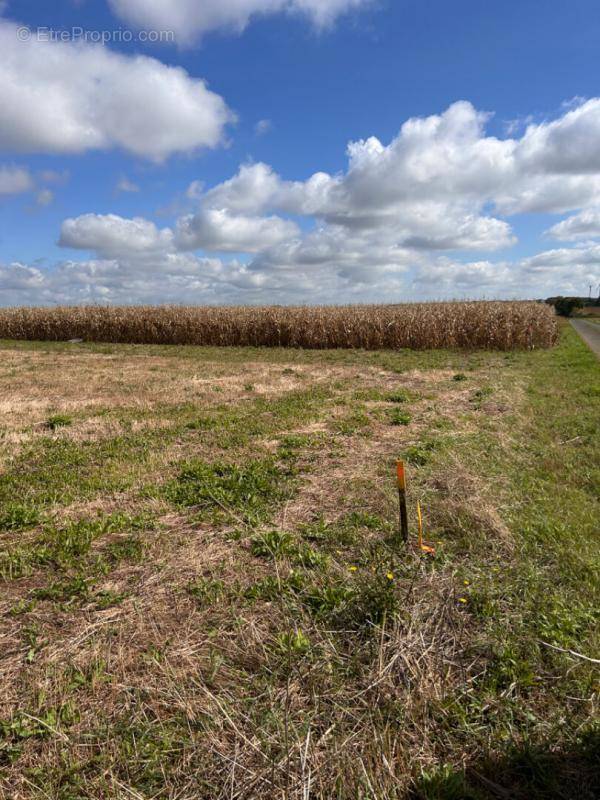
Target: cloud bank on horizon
(427, 214)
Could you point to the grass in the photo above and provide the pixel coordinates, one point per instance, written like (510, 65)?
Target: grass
(203, 593)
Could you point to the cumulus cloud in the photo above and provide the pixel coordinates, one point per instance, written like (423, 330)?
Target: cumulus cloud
(585, 225)
(14, 180)
(174, 278)
(190, 19)
(466, 278)
(418, 216)
(112, 236)
(586, 259)
(64, 97)
(426, 189)
(17, 277)
(566, 146)
(445, 158)
(218, 230)
(564, 271)
(299, 277)
(254, 188)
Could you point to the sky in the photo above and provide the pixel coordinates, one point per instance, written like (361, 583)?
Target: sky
(298, 151)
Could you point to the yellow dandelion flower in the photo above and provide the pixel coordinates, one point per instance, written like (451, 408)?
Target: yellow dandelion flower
(462, 599)
(353, 569)
(390, 576)
(466, 583)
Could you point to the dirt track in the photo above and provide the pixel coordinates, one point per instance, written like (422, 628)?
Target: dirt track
(589, 332)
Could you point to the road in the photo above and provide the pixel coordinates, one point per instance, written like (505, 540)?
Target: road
(589, 332)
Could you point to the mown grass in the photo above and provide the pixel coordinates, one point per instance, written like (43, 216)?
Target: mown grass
(247, 624)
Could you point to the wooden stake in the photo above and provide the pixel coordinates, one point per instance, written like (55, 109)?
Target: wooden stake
(402, 498)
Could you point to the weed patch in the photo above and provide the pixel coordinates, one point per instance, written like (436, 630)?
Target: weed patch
(17, 517)
(398, 417)
(248, 492)
(57, 421)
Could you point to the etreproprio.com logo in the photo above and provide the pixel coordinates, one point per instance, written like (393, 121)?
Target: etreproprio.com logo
(77, 34)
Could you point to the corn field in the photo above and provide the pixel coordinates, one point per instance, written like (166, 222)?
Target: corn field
(476, 324)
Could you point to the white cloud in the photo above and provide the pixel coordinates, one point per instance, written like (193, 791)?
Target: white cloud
(566, 146)
(446, 158)
(218, 230)
(190, 19)
(14, 180)
(20, 278)
(397, 223)
(565, 271)
(585, 225)
(174, 278)
(330, 255)
(470, 278)
(586, 258)
(300, 276)
(426, 189)
(254, 188)
(111, 236)
(74, 97)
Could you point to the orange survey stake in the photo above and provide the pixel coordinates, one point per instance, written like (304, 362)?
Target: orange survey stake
(401, 476)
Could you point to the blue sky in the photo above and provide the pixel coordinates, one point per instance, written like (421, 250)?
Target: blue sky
(316, 84)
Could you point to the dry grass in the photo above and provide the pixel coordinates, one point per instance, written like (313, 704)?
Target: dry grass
(489, 325)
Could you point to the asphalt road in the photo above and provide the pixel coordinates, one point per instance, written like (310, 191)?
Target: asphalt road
(589, 332)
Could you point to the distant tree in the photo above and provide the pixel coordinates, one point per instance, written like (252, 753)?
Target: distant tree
(566, 305)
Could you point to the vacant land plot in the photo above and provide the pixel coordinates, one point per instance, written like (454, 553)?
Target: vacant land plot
(204, 596)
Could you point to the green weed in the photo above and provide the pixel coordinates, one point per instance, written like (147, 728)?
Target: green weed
(206, 591)
(272, 544)
(398, 417)
(17, 517)
(57, 421)
(249, 491)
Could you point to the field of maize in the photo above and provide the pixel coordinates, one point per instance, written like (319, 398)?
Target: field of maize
(477, 324)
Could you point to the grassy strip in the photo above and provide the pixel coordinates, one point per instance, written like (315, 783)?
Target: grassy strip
(532, 710)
